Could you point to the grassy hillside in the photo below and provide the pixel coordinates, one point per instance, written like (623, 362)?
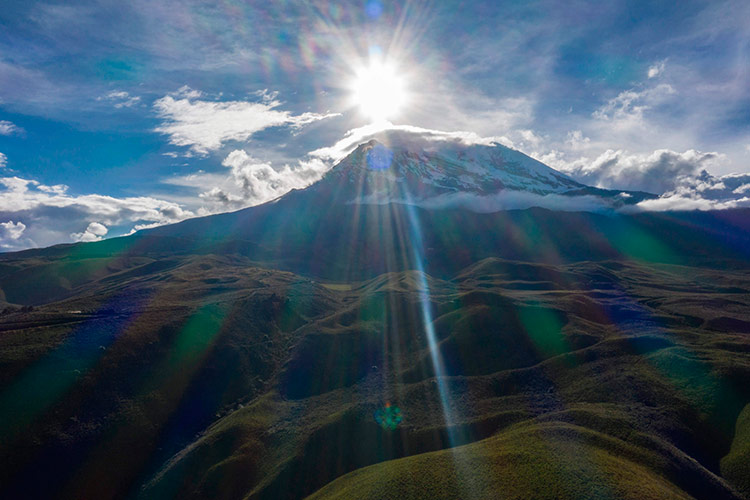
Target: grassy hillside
(545, 461)
(207, 376)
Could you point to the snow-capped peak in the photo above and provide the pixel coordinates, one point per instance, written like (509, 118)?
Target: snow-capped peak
(398, 163)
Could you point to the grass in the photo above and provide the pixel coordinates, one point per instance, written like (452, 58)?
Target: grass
(547, 461)
(736, 465)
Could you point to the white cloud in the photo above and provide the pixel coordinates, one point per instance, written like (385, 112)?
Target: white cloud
(10, 231)
(657, 172)
(682, 180)
(502, 200)
(675, 201)
(258, 182)
(577, 141)
(56, 189)
(630, 105)
(52, 215)
(663, 172)
(93, 232)
(424, 136)
(705, 192)
(656, 69)
(187, 93)
(9, 128)
(120, 99)
(252, 181)
(206, 125)
(3, 160)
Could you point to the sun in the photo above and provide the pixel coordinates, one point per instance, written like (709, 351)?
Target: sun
(379, 91)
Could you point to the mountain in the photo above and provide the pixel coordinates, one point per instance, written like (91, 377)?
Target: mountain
(432, 169)
(384, 334)
(403, 167)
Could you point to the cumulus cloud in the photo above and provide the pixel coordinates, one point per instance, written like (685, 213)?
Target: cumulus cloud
(9, 128)
(205, 126)
(704, 192)
(10, 232)
(681, 180)
(576, 141)
(658, 172)
(257, 181)
(93, 232)
(52, 215)
(120, 99)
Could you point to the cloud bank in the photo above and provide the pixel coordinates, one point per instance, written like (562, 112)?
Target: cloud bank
(42, 215)
(682, 180)
(658, 172)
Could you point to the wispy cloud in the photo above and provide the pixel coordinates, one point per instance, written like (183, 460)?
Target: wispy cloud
(3, 160)
(630, 105)
(9, 128)
(120, 99)
(205, 126)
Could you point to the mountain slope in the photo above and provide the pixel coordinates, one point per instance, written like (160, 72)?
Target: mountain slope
(429, 169)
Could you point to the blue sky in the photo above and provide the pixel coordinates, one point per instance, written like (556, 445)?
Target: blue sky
(120, 115)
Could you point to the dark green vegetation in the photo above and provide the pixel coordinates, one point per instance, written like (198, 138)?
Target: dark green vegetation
(263, 354)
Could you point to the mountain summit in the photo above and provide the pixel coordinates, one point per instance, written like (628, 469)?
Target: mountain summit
(439, 167)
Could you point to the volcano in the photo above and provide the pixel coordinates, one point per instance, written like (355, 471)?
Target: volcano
(433, 318)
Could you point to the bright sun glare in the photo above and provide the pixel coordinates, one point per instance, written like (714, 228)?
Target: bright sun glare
(379, 91)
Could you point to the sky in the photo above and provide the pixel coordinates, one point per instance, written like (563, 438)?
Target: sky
(117, 116)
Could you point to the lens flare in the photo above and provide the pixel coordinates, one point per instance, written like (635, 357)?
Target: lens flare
(388, 417)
